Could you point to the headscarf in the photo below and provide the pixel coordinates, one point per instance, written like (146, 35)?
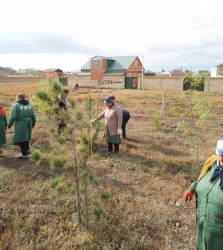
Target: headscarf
(2, 111)
(109, 100)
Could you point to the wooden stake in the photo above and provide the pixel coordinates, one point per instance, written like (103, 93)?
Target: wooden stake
(86, 201)
(161, 112)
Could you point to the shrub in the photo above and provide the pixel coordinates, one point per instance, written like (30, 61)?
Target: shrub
(78, 114)
(44, 160)
(104, 195)
(54, 182)
(98, 211)
(58, 162)
(35, 155)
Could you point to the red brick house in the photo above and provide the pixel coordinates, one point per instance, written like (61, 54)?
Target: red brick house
(177, 72)
(100, 67)
(53, 73)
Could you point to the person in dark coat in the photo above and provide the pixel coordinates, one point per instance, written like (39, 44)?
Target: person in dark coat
(125, 119)
(3, 127)
(61, 126)
(62, 105)
(23, 116)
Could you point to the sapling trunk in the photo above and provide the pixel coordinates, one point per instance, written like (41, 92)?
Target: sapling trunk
(86, 200)
(161, 112)
(91, 140)
(77, 179)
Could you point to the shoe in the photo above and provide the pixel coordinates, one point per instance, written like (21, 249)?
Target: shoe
(22, 157)
(1, 151)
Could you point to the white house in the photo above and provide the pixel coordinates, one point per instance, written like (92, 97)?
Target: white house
(214, 70)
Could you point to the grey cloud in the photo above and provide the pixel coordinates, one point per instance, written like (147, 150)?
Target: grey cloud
(205, 54)
(42, 42)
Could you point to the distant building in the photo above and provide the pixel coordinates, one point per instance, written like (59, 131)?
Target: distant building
(53, 73)
(99, 68)
(202, 71)
(177, 72)
(6, 72)
(149, 73)
(165, 73)
(217, 71)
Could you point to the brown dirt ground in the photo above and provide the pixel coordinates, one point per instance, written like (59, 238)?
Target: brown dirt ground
(145, 182)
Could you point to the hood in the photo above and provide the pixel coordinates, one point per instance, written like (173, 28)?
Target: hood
(23, 102)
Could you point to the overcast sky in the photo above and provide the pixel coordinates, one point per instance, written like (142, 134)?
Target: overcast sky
(66, 34)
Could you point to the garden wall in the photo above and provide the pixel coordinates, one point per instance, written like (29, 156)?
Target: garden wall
(160, 83)
(109, 81)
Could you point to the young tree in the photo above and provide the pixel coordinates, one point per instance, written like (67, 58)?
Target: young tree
(197, 111)
(76, 132)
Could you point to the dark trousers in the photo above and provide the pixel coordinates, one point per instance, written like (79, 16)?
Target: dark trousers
(110, 147)
(124, 122)
(24, 146)
(123, 130)
(61, 127)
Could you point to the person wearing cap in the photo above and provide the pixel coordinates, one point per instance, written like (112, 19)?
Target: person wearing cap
(23, 116)
(209, 193)
(3, 127)
(113, 123)
(125, 118)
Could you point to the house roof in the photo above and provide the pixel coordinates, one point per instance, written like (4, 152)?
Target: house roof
(219, 65)
(202, 70)
(53, 70)
(87, 65)
(117, 73)
(116, 62)
(177, 72)
(124, 61)
(4, 69)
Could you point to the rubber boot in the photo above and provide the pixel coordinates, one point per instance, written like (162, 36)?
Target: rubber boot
(109, 147)
(116, 147)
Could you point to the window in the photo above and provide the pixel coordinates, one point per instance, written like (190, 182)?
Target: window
(96, 64)
(136, 63)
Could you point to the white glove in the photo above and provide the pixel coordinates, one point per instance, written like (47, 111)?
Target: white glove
(94, 120)
(119, 132)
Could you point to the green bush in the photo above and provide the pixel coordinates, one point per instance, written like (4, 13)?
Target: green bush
(35, 155)
(44, 160)
(104, 195)
(98, 211)
(78, 114)
(58, 162)
(54, 182)
(72, 103)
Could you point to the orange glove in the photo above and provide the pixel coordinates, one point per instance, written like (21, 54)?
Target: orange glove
(187, 195)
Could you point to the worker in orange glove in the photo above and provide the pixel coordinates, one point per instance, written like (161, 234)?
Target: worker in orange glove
(188, 195)
(209, 192)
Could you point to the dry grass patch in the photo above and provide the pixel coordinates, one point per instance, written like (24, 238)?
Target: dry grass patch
(138, 202)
